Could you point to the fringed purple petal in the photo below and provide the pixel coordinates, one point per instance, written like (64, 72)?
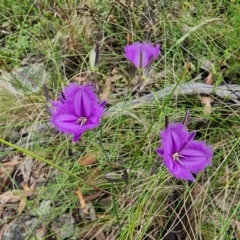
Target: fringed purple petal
(77, 136)
(181, 154)
(197, 156)
(141, 54)
(78, 112)
(174, 137)
(65, 123)
(176, 169)
(189, 138)
(160, 152)
(82, 104)
(151, 51)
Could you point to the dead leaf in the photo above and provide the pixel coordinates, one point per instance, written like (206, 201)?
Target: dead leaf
(33, 184)
(209, 79)
(26, 169)
(100, 235)
(42, 231)
(9, 197)
(26, 187)
(7, 168)
(39, 170)
(14, 196)
(112, 78)
(81, 201)
(106, 201)
(104, 96)
(5, 176)
(89, 158)
(92, 196)
(207, 100)
(21, 206)
(13, 161)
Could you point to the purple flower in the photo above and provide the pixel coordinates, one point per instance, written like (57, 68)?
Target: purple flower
(141, 54)
(77, 110)
(181, 154)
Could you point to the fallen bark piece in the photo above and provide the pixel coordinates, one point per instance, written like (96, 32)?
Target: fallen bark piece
(230, 91)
